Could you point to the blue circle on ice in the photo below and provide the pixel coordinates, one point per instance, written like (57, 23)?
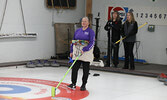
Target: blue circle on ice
(13, 89)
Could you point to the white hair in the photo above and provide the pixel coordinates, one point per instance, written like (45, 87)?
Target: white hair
(86, 18)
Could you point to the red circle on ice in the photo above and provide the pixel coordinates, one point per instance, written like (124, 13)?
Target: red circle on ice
(64, 91)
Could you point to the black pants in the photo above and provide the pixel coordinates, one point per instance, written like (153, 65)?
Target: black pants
(85, 72)
(114, 54)
(128, 46)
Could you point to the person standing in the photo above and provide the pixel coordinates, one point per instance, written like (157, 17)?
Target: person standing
(113, 26)
(84, 40)
(130, 29)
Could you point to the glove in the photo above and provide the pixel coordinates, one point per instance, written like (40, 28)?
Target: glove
(123, 35)
(111, 24)
(127, 36)
(70, 60)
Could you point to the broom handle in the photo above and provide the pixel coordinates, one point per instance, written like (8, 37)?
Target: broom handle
(68, 70)
(125, 36)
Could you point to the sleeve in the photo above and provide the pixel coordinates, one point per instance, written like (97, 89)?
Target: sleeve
(122, 31)
(117, 27)
(91, 41)
(71, 46)
(107, 26)
(134, 31)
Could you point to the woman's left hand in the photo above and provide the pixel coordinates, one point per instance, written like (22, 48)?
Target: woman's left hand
(82, 51)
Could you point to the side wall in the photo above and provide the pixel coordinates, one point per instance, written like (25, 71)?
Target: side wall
(153, 45)
(38, 19)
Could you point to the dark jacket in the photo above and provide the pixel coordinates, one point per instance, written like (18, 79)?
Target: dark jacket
(116, 29)
(129, 30)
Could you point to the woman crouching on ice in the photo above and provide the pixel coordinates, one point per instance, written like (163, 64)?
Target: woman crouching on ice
(83, 42)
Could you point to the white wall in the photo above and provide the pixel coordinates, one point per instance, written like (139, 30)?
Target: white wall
(153, 45)
(38, 19)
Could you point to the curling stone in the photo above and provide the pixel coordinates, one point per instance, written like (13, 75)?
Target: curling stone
(165, 83)
(162, 77)
(46, 63)
(54, 64)
(30, 64)
(98, 63)
(39, 63)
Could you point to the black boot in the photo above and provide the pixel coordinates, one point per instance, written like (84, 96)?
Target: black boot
(125, 68)
(106, 65)
(83, 87)
(132, 68)
(72, 86)
(115, 66)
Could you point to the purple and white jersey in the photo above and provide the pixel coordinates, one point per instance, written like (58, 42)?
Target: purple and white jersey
(88, 35)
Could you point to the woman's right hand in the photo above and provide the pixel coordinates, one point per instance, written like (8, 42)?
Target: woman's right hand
(71, 54)
(123, 34)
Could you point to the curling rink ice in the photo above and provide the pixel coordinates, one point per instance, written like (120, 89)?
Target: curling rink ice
(35, 84)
